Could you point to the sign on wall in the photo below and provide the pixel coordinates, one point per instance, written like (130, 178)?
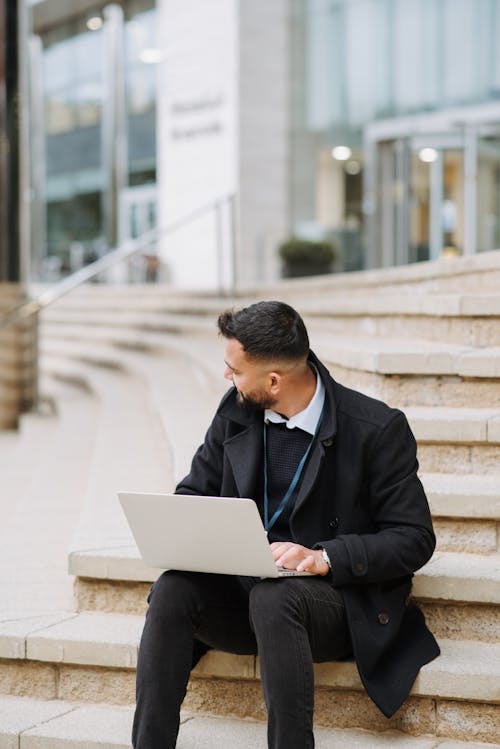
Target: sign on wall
(197, 138)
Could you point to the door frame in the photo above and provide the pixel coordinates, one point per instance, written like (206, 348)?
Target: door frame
(439, 128)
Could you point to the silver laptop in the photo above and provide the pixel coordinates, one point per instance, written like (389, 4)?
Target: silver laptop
(201, 534)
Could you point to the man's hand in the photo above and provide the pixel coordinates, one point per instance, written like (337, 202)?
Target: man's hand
(296, 557)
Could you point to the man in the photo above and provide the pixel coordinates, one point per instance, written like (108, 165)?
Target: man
(334, 475)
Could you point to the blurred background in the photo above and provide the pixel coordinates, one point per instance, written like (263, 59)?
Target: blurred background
(370, 125)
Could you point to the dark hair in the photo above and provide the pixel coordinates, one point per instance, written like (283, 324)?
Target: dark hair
(267, 330)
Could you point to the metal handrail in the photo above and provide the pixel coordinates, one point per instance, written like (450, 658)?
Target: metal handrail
(111, 258)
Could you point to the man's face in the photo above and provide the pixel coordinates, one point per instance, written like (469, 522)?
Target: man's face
(251, 378)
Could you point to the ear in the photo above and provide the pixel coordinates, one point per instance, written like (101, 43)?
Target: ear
(275, 381)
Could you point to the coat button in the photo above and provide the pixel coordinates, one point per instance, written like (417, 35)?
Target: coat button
(327, 443)
(334, 523)
(383, 618)
(360, 567)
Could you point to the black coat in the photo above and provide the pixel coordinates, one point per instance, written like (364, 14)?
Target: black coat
(360, 499)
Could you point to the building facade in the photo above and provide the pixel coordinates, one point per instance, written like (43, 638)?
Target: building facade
(395, 127)
(232, 125)
(93, 96)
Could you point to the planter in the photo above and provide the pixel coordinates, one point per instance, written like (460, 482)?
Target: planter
(297, 270)
(302, 257)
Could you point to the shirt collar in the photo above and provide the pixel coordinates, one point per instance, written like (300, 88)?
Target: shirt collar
(307, 420)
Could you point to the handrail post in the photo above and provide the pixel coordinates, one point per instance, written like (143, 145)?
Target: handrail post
(219, 247)
(233, 239)
(18, 345)
(114, 136)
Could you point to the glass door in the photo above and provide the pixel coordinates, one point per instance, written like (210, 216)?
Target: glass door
(420, 198)
(437, 194)
(432, 187)
(488, 189)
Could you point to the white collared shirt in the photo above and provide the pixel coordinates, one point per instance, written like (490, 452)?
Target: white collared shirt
(307, 420)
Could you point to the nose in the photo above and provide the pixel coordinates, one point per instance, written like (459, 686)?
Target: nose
(228, 374)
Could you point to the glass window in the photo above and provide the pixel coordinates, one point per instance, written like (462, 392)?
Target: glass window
(58, 69)
(88, 103)
(72, 75)
(488, 193)
(140, 34)
(87, 54)
(494, 50)
(141, 89)
(59, 113)
(462, 50)
(142, 56)
(415, 33)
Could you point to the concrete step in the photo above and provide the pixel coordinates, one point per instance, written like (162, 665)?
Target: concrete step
(35, 724)
(112, 336)
(149, 448)
(469, 536)
(472, 496)
(146, 320)
(449, 576)
(381, 355)
(412, 372)
(317, 301)
(459, 592)
(398, 372)
(465, 318)
(78, 651)
(185, 396)
(446, 275)
(455, 425)
(130, 450)
(30, 445)
(43, 509)
(466, 511)
(436, 423)
(62, 370)
(203, 350)
(409, 356)
(456, 440)
(462, 318)
(442, 326)
(95, 354)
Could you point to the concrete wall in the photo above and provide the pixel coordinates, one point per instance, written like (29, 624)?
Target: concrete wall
(18, 360)
(223, 124)
(264, 126)
(197, 137)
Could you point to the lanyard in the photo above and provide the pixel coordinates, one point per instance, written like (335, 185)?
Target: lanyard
(268, 524)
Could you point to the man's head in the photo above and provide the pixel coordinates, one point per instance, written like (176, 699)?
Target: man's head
(266, 351)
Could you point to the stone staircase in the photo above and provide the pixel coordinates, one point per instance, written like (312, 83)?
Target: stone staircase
(122, 365)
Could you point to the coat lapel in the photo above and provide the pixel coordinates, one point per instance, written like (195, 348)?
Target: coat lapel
(310, 473)
(244, 452)
(325, 437)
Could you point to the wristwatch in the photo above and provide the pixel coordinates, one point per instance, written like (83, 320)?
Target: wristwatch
(325, 556)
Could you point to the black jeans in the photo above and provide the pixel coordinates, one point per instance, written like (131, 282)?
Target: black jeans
(289, 622)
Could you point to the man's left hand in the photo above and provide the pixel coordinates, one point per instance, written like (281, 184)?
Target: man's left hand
(296, 557)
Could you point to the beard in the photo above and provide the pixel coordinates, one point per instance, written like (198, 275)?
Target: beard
(255, 402)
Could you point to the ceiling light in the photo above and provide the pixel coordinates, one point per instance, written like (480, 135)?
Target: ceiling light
(341, 153)
(95, 23)
(428, 155)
